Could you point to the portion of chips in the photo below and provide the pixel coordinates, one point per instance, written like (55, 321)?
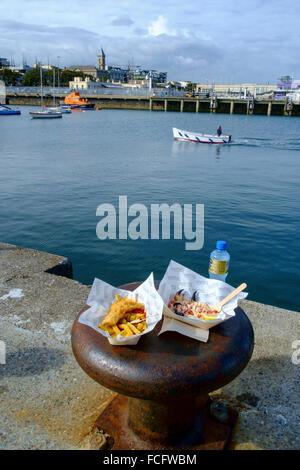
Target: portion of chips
(126, 317)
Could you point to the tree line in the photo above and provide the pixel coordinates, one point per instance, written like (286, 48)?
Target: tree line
(32, 77)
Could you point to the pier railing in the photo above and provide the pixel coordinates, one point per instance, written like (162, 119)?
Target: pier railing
(37, 90)
(157, 100)
(115, 91)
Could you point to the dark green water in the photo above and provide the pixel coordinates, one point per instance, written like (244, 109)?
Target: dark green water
(54, 174)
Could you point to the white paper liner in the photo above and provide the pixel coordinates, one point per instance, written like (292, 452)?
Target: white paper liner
(211, 291)
(102, 295)
(184, 329)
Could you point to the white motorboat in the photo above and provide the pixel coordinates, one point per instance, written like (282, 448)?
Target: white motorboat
(188, 136)
(59, 109)
(65, 110)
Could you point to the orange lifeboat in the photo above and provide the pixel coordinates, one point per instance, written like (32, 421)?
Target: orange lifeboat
(76, 101)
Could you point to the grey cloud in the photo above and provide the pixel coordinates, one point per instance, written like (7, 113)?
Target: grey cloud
(17, 27)
(238, 56)
(73, 45)
(122, 21)
(163, 52)
(140, 32)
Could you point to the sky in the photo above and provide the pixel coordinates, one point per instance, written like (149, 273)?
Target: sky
(204, 41)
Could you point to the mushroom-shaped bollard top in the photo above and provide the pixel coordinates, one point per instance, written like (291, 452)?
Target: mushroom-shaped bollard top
(166, 367)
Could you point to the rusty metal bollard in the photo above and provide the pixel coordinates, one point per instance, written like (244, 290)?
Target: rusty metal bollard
(163, 384)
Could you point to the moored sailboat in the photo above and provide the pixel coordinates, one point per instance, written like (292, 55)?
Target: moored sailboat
(44, 112)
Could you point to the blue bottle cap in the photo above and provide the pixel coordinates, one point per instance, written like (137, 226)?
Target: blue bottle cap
(221, 245)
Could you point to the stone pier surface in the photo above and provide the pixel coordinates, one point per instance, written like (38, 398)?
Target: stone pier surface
(48, 402)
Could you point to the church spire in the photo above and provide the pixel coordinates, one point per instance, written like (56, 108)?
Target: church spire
(101, 60)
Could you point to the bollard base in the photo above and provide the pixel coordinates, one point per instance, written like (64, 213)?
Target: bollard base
(207, 433)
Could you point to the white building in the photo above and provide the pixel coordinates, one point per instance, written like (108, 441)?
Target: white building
(84, 84)
(235, 89)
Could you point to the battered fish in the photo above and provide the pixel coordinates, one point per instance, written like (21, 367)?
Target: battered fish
(118, 310)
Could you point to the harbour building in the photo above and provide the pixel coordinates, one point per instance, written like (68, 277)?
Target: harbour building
(116, 74)
(4, 62)
(238, 89)
(142, 74)
(86, 69)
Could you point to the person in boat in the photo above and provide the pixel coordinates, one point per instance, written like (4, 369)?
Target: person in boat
(219, 131)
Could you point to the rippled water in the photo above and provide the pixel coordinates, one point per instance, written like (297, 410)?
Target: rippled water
(54, 174)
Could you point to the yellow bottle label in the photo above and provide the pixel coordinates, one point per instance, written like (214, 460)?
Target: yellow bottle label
(218, 267)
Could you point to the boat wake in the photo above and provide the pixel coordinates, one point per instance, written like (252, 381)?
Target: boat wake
(282, 144)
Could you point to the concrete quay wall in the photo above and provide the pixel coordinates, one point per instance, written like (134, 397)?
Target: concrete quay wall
(221, 105)
(48, 402)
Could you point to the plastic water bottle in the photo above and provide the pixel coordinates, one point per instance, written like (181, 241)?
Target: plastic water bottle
(219, 262)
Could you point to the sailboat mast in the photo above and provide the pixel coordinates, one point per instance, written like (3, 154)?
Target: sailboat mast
(41, 75)
(53, 86)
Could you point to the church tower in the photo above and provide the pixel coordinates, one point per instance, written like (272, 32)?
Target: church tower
(101, 60)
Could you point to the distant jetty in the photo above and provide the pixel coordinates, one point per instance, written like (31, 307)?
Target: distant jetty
(251, 106)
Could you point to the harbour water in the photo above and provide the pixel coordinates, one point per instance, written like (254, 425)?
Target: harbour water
(55, 173)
